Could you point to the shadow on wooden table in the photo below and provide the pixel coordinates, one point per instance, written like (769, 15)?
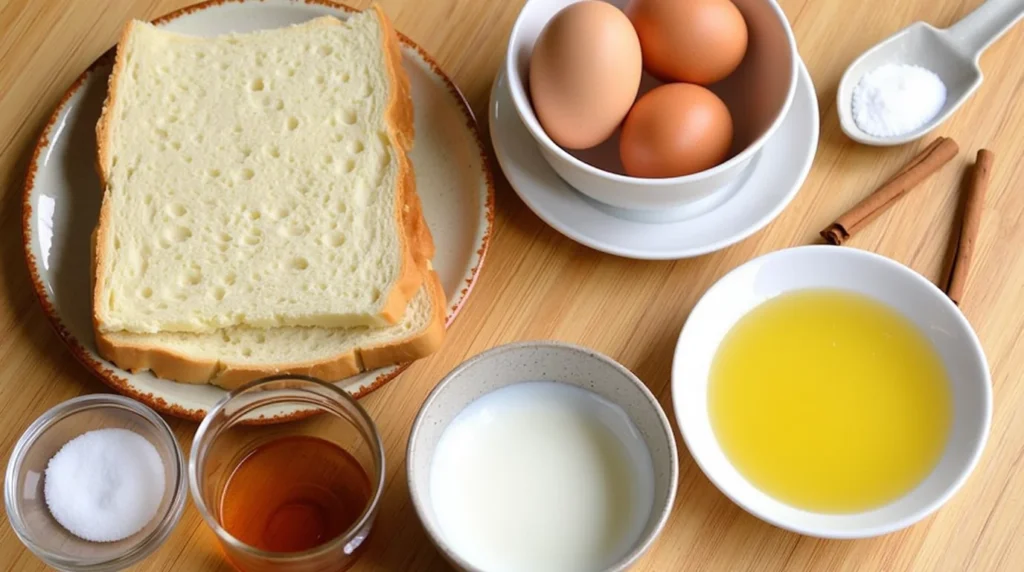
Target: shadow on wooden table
(398, 526)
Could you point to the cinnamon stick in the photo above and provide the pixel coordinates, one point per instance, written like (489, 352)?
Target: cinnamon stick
(934, 156)
(977, 187)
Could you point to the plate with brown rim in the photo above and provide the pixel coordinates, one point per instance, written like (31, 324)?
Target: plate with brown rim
(63, 193)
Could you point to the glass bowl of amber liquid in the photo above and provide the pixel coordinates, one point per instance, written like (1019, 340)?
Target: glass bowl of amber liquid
(288, 471)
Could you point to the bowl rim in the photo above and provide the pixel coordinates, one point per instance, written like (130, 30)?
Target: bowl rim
(520, 101)
(961, 475)
(662, 512)
(145, 546)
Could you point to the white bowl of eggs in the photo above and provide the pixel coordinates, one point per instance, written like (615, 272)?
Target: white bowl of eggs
(652, 105)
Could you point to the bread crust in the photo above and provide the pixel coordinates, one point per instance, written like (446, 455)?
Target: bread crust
(171, 365)
(103, 159)
(428, 341)
(401, 130)
(168, 364)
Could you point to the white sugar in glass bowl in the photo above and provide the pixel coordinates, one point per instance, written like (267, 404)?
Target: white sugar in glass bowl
(23, 487)
(887, 281)
(758, 94)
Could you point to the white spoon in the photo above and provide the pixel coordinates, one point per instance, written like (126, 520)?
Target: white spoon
(951, 53)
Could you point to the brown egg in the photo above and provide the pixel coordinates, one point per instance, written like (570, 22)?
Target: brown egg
(696, 41)
(674, 130)
(585, 73)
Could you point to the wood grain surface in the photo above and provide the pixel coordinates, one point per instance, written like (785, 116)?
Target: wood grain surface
(538, 284)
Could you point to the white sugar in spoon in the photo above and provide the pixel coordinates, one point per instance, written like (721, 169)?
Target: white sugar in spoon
(951, 53)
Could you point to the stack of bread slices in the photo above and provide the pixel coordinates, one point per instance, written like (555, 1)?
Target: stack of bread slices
(260, 212)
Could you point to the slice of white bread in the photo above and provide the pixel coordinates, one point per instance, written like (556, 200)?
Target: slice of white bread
(237, 355)
(256, 180)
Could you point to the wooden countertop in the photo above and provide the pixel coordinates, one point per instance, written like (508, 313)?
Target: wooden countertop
(538, 284)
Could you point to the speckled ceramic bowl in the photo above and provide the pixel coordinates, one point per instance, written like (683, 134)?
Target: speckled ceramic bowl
(542, 361)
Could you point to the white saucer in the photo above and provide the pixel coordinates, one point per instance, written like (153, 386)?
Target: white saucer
(773, 180)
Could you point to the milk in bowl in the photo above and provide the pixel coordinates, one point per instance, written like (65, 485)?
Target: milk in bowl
(541, 475)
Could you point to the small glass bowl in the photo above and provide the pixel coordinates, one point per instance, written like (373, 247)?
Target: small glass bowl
(23, 486)
(235, 427)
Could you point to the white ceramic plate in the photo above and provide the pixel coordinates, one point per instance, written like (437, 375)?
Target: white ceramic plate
(772, 180)
(887, 281)
(62, 196)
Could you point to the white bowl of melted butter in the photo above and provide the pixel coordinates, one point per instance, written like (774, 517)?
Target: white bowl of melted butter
(542, 456)
(831, 392)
